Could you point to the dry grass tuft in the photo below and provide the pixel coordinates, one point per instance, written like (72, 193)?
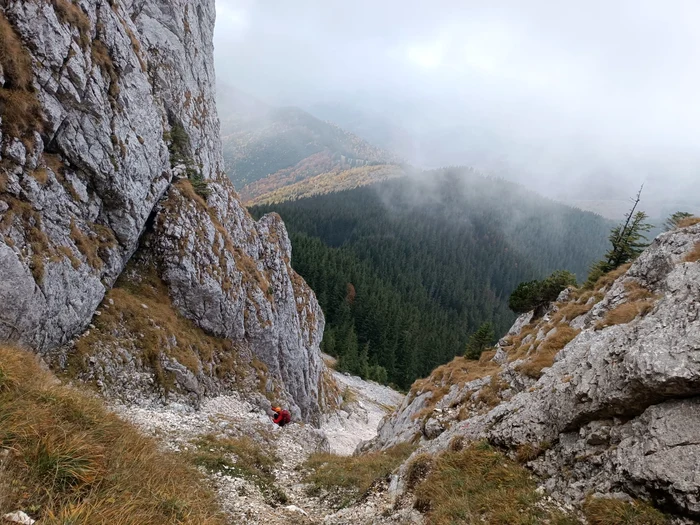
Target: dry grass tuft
(571, 311)
(480, 485)
(527, 452)
(626, 313)
(490, 394)
(72, 15)
(72, 461)
(636, 292)
(164, 331)
(41, 175)
(694, 254)
(688, 221)
(349, 478)
(102, 58)
(20, 109)
(88, 247)
(609, 511)
(418, 469)
(548, 350)
(610, 277)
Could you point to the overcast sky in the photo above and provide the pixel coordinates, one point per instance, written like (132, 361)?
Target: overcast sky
(539, 80)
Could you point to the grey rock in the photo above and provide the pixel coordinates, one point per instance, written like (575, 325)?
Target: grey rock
(618, 413)
(106, 127)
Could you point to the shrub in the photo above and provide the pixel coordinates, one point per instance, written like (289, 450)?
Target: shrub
(532, 295)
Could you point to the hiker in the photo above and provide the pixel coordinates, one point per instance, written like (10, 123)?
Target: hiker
(281, 417)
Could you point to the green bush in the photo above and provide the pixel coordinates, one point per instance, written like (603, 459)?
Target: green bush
(532, 295)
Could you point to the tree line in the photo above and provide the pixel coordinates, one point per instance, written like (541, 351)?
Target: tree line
(407, 270)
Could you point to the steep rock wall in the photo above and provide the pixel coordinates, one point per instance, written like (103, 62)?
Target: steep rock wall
(104, 105)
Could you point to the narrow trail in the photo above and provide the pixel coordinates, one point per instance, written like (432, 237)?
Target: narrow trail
(178, 427)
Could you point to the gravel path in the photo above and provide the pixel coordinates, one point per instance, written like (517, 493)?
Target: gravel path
(176, 426)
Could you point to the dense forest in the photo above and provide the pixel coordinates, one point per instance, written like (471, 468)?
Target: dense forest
(407, 269)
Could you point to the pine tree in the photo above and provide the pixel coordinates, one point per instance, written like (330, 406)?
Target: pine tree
(672, 222)
(628, 242)
(479, 341)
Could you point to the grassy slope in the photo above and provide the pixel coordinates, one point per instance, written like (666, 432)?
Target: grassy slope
(66, 459)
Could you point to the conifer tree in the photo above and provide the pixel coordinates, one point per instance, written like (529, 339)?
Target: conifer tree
(479, 341)
(628, 242)
(672, 222)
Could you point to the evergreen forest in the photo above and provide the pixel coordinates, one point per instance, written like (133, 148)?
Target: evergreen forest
(407, 270)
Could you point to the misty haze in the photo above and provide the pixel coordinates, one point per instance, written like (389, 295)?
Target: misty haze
(580, 101)
(372, 262)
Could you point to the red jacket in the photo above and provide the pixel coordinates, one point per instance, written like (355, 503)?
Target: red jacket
(282, 418)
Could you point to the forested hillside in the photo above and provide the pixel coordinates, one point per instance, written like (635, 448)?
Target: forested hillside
(407, 269)
(266, 148)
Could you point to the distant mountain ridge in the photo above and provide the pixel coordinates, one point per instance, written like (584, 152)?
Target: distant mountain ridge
(266, 147)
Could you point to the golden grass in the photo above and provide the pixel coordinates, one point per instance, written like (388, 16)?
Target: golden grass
(548, 350)
(69, 460)
(609, 511)
(607, 279)
(694, 254)
(571, 311)
(72, 15)
(348, 478)
(626, 313)
(457, 372)
(480, 485)
(490, 394)
(159, 324)
(688, 221)
(634, 292)
(88, 247)
(19, 107)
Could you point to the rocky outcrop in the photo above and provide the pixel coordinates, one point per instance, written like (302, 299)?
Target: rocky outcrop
(119, 137)
(617, 408)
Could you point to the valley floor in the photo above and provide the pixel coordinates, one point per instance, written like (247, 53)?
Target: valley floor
(243, 497)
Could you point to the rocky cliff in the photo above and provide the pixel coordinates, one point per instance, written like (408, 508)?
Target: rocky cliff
(110, 152)
(600, 396)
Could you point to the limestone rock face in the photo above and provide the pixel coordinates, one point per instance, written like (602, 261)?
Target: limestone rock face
(618, 409)
(124, 114)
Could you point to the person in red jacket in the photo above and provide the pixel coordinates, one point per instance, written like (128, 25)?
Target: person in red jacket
(281, 417)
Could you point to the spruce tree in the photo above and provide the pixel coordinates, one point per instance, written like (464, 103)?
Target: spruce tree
(628, 242)
(479, 341)
(672, 222)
